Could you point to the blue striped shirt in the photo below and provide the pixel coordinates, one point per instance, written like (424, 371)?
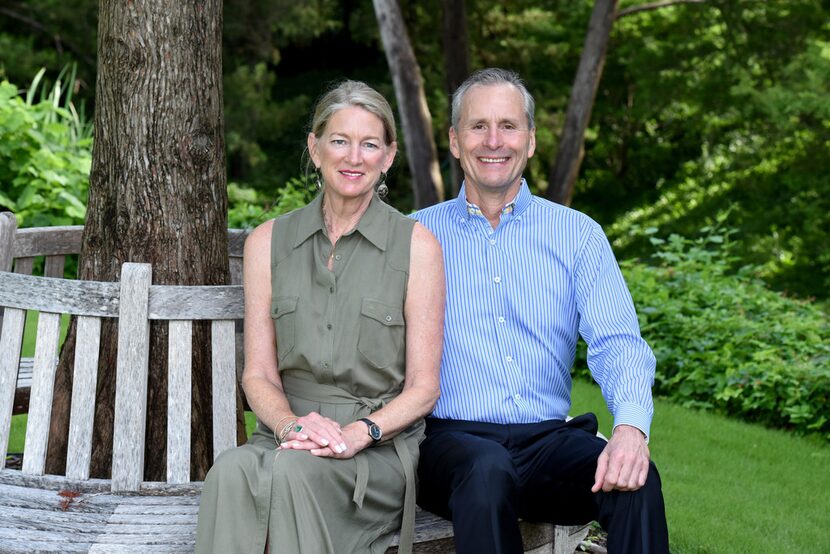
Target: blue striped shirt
(517, 296)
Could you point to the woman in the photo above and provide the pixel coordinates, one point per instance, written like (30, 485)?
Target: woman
(344, 311)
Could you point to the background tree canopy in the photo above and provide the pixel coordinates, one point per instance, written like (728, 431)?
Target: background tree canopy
(703, 107)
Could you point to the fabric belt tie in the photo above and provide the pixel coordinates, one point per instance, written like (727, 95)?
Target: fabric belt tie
(329, 394)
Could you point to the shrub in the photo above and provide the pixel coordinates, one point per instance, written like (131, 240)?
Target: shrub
(45, 156)
(726, 342)
(248, 207)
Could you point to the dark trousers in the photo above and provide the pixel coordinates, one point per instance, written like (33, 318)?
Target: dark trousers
(485, 476)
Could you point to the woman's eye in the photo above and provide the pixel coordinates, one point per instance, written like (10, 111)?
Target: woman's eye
(371, 145)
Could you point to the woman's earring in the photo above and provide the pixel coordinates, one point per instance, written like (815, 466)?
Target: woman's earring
(382, 189)
(319, 179)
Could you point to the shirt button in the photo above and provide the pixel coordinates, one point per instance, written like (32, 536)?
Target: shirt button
(492, 241)
(331, 290)
(337, 256)
(508, 359)
(325, 364)
(501, 320)
(388, 318)
(328, 326)
(518, 397)
(497, 279)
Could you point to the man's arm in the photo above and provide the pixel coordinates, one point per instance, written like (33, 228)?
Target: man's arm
(619, 360)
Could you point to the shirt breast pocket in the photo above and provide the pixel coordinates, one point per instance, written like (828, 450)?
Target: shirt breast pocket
(284, 314)
(381, 334)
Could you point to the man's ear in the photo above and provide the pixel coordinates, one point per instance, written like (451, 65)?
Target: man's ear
(531, 147)
(456, 151)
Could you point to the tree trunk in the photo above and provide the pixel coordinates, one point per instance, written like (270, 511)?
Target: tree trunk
(157, 194)
(412, 104)
(454, 40)
(565, 168)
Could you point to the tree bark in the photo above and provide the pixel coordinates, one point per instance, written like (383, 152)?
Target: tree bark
(157, 194)
(412, 104)
(571, 150)
(455, 43)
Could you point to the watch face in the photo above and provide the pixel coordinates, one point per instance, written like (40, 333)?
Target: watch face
(374, 432)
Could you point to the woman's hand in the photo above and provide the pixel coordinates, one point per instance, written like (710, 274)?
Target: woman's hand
(315, 432)
(354, 437)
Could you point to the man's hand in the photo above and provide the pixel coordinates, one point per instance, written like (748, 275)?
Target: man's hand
(623, 464)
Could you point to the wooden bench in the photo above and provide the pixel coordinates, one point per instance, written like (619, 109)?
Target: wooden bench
(126, 513)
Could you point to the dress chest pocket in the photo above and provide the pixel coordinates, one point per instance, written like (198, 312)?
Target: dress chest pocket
(381, 335)
(284, 314)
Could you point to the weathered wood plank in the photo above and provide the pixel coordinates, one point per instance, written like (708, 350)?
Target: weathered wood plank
(196, 302)
(179, 352)
(48, 241)
(36, 518)
(85, 376)
(236, 270)
(23, 266)
(223, 355)
(8, 231)
(11, 341)
(130, 549)
(45, 294)
(53, 267)
(24, 372)
(236, 242)
(43, 383)
(131, 378)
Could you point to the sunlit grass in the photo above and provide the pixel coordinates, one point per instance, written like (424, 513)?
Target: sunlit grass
(730, 486)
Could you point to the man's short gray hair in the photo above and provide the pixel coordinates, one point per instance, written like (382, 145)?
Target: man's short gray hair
(493, 76)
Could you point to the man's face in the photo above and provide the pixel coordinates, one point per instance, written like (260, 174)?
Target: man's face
(492, 140)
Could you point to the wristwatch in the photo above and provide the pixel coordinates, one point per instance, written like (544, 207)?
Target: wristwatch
(375, 432)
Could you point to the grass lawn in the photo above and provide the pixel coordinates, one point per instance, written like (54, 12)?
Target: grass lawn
(731, 486)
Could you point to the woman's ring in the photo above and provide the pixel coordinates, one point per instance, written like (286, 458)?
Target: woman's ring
(298, 428)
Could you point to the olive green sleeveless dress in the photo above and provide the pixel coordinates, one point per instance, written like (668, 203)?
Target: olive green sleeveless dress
(341, 348)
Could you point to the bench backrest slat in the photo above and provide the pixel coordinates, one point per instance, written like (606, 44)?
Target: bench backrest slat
(54, 266)
(196, 302)
(223, 355)
(43, 384)
(84, 382)
(131, 378)
(11, 341)
(23, 266)
(179, 370)
(60, 296)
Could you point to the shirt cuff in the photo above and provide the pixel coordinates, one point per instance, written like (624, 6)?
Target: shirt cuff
(634, 415)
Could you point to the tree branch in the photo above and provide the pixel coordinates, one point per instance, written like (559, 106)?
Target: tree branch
(59, 42)
(655, 6)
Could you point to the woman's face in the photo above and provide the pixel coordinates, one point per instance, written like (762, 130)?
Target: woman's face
(351, 152)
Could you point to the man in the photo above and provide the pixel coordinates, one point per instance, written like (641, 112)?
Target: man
(524, 278)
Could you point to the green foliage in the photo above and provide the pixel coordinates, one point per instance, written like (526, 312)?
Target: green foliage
(726, 342)
(45, 155)
(249, 208)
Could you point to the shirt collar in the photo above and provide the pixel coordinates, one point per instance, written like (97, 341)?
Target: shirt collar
(371, 223)
(515, 207)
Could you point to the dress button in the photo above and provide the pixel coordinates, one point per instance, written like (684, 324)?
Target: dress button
(508, 359)
(497, 279)
(518, 397)
(492, 241)
(501, 320)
